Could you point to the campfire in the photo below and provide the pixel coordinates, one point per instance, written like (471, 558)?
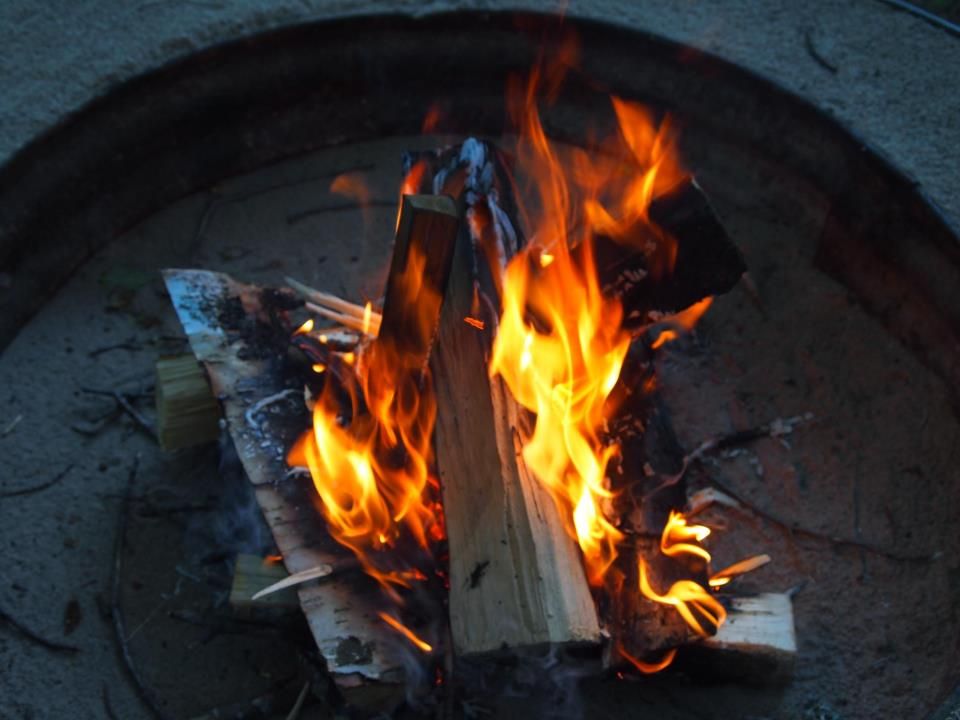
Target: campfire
(484, 444)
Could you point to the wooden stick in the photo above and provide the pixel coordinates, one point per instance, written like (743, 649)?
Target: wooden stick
(346, 320)
(331, 301)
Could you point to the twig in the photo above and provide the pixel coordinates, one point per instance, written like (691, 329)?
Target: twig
(11, 425)
(298, 705)
(123, 402)
(332, 301)
(34, 637)
(125, 345)
(775, 428)
(38, 488)
(263, 403)
(815, 54)
(342, 318)
(119, 623)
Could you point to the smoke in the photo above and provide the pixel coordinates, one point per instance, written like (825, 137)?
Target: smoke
(233, 525)
(545, 681)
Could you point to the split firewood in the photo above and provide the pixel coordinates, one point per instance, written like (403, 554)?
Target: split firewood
(187, 412)
(756, 644)
(516, 575)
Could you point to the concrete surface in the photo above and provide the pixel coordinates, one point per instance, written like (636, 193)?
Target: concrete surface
(895, 82)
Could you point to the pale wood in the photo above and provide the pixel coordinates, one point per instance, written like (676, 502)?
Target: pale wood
(187, 412)
(758, 623)
(757, 643)
(252, 573)
(516, 576)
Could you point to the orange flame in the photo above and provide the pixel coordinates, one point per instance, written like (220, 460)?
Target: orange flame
(685, 320)
(370, 462)
(353, 186)
(690, 599)
(560, 345)
(406, 632)
(649, 668)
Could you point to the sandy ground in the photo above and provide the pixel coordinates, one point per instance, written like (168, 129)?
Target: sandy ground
(877, 637)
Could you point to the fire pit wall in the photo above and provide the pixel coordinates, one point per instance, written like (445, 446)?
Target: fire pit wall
(856, 318)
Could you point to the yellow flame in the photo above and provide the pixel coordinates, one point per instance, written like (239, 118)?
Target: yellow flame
(370, 461)
(690, 599)
(560, 344)
(677, 536)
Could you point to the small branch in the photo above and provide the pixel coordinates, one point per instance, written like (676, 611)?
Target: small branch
(123, 402)
(775, 428)
(216, 202)
(33, 637)
(331, 301)
(38, 488)
(343, 319)
(119, 623)
(298, 705)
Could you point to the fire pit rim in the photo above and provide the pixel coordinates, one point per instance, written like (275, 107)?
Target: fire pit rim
(76, 187)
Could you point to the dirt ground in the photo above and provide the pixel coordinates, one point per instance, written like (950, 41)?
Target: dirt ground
(878, 637)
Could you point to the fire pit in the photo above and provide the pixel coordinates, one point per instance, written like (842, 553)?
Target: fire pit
(856, 548)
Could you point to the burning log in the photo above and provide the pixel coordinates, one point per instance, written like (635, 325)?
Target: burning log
(516, 576)
(236, 331)
(704, 261)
